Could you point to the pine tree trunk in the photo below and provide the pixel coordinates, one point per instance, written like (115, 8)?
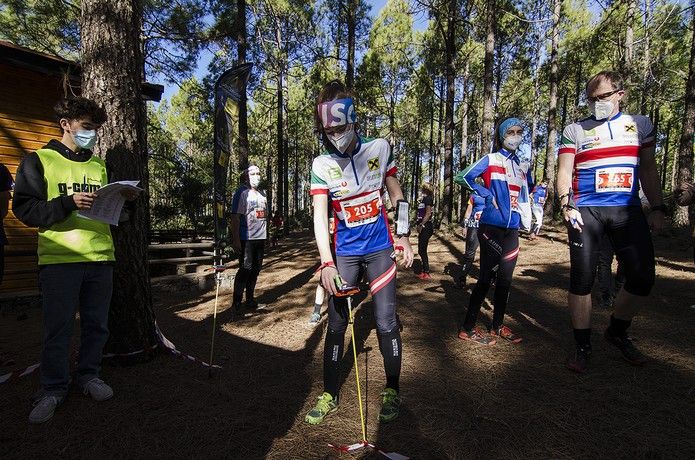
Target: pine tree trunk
(338, 34)
(550, 157)
(628, 57)
(536, 102)
(463, 158)
(450, 52)
(280, 145)
(242, 44)
(352, 26)
(438, 149)
(685, 146)
(646, 57)
(664, 162)
(430, 164)
(488, 107)
(112, 73)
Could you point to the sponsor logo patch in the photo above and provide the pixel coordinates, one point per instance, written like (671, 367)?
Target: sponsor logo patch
(373, 163)
(335, 173)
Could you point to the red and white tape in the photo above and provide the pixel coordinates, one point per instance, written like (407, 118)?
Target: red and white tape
(17, 374)
(363, 444)
(163, 341)
(167, 344)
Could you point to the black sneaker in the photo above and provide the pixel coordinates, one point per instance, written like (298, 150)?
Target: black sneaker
(461, 283)
(235, 311)
(630, 353)
(580, 361)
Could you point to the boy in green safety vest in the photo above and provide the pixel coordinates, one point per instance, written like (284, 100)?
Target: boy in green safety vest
(76, 254)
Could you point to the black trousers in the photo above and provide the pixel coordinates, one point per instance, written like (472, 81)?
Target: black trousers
(472, 244)
(499, 250)
(250, 264)
(423, 239)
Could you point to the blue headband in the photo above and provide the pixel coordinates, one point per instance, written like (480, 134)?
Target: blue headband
(506, 124)
(337, 112)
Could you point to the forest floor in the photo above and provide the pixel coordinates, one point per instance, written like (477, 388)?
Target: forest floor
(459, 400)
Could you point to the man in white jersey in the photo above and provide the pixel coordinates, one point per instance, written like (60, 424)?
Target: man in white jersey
(601, 163)
(248, 232)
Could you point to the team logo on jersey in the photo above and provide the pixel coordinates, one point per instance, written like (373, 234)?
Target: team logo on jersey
(373, 177)
(589, 145)
(631, 128)
(339, 193)
(335, 173)
(590, 132)
(373, 163)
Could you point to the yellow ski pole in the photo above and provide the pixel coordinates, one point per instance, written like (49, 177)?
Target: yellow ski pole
(218, 279)
(357, 375)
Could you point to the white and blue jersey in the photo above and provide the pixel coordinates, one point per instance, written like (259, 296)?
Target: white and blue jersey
(355, 185)
(507, 180)
(540, 194)
(606, 158)
(478, 203)
(251, 205)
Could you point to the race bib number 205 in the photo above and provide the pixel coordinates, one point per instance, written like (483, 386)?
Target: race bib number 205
(614, 180)
(362, 210)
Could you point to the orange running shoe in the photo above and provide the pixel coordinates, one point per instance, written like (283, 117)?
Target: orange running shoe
(506, 333)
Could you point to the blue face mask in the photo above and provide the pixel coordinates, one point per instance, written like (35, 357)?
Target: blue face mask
(85, 139)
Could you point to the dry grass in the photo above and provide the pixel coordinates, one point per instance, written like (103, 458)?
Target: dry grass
(460, 401)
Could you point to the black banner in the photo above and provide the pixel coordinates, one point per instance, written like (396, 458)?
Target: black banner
(229, 91)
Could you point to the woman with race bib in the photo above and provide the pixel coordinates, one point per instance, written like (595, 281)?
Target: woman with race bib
(353, 173)
(506, 184)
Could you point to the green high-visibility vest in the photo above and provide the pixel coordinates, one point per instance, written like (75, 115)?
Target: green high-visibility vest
(74, 239)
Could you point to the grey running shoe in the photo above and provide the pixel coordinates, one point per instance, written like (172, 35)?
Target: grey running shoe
(315, 318)
(97, 389)
(44, 408)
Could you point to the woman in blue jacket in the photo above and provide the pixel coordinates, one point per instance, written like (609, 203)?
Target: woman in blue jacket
(506, 184)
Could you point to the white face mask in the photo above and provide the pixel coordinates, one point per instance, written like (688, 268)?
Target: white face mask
(254, 180)
(342, 141)
(511, 143)
(601, 109)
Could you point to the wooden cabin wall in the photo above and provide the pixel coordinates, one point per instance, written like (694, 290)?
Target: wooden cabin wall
(27, 123)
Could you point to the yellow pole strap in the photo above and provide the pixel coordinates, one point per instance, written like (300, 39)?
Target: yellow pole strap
(357, 375)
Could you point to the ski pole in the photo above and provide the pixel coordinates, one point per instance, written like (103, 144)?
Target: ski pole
(357, 375)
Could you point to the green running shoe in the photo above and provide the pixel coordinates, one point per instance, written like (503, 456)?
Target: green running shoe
(325, 406)
(390, 405)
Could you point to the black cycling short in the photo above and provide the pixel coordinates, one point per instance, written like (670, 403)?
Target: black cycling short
(628, 231)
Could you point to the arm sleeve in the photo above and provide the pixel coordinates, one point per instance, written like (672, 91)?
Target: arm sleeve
(319, 186)
(30, 204)
(568, 143)
(6, 182)
(239, 201)
(467, 177)
(529, 179)
(391, 169)
(646, 131)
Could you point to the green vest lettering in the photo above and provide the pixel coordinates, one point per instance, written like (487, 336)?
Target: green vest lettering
(74, 239)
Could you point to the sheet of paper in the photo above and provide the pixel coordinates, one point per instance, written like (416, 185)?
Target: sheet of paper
(109, 202)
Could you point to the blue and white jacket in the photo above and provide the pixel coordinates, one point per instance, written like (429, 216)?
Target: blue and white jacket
(507, 180)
